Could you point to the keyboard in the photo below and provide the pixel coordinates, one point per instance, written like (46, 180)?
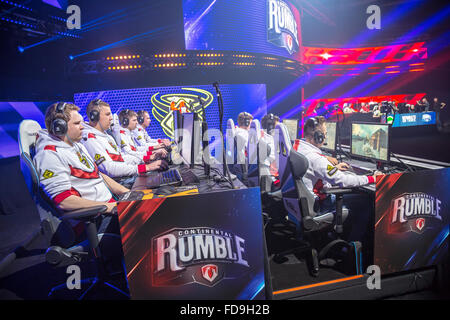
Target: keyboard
(189, 177)
(171, 177)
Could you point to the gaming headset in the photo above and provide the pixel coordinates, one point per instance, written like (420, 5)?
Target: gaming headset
(319, 137)
(59, 125)
(94, 115)
(141, 117)
(125, 120)
(270, 122)
(247, 118)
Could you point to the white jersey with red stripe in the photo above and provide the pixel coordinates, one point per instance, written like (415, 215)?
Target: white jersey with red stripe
(323, 174)
(128, 146)
(142, 138)
(66, 170)
(108, 156)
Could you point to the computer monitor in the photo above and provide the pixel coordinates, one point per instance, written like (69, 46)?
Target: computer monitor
(187, 151)
(330, 140)
(292, 127)
(370, 141)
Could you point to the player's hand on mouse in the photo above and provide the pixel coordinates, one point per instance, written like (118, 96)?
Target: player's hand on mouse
(333, 161)
(157, 165)
(343, 166)
(161, 152)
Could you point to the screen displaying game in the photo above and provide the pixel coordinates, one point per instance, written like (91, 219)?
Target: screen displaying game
(259, 26)
(330, 139)
(370, 141)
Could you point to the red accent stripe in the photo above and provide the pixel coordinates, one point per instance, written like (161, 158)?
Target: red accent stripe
(371, 179)
(122, 131)
(115, 157)
(50, 147)
(91, 135)
(83, 174)
(133, 148)
(141, 168)
(318, 189)
(60, 197)
(150, 149)
(74, 192)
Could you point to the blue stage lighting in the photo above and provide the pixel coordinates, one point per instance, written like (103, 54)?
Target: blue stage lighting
(71, 57)
(21, 49)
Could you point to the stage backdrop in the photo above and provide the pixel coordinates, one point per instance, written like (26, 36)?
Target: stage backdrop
(412, 220)
(258, 26)
(157, 101)
(11, 114)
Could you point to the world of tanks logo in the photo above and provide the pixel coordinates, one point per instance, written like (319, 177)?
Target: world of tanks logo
(414, 212)
(164, 104)
(200, 255)
(282, 29)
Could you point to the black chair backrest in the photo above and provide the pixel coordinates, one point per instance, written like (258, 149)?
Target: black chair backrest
(55, 230)
(299, 165)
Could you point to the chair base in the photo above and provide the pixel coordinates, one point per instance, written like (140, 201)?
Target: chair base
(92, 288)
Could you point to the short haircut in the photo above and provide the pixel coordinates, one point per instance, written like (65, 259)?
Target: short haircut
(51, 114)
(142, 113)
(266, 119)
(309, 127)
(242, 117)
(96, 105)
(127, 113)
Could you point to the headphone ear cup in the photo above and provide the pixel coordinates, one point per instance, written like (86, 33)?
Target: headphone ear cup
(140, 119)
(94, 116)
(125, 121)
(59, 127)
(319, 137)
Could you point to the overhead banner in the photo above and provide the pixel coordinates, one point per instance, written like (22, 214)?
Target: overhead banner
(412, 215)
(256, 26)
(182, 248)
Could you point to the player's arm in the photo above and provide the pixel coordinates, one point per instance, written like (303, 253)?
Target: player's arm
(114, 186)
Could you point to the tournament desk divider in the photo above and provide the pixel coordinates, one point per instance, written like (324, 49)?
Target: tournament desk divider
(205, 246)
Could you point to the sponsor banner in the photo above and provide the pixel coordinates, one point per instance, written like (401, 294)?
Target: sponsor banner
(414, 119)
(264, 26)
(183, 248)
(412, 220)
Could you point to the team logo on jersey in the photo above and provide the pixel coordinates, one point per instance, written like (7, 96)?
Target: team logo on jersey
(99, 159)
(200, 255)
(415, 212)
(331, 170)
(83, 160)
(48, 174)
(282, 29)
(187, 99)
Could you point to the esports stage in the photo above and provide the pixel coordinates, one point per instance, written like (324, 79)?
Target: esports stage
(232, 217)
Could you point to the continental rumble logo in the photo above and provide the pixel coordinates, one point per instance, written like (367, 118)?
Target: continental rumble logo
(414, 212)
(200, 255)
(189, 98)
(282, 29)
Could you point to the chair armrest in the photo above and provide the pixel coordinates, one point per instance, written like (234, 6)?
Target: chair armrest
(338, 190)
(85, 213)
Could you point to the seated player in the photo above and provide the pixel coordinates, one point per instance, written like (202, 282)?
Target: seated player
(141, 136)
(128, 122)
(67, 173)
(244, 120)
(323, 174)
(103, 148)
(268, 124)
